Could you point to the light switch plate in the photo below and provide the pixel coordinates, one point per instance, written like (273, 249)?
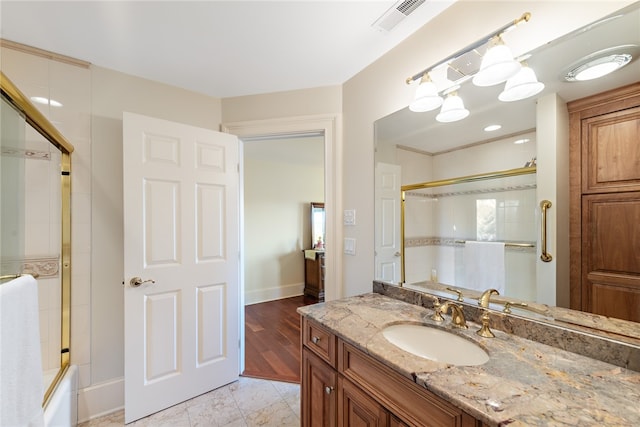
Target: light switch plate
(349, 246)
(349, 217)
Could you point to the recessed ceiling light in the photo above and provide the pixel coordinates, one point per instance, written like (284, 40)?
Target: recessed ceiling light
(45, 101)
(600, 63)
(491, 128)
(521, 141)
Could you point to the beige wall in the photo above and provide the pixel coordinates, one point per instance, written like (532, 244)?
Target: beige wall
(305, 102)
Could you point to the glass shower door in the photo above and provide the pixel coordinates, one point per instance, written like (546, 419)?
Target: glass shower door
(12, 194)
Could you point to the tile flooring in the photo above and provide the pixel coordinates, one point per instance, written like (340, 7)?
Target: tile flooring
(247, 402)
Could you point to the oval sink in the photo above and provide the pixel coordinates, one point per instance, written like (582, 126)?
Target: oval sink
(435, 344)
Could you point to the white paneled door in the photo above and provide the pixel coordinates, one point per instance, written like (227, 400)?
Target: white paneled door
(181, 262)
(387, 223)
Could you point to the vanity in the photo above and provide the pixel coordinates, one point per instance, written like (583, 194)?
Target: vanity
(353, 375)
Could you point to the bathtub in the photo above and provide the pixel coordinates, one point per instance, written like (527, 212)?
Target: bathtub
(62, 408)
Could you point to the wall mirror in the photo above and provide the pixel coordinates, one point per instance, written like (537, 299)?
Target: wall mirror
(317, 226)
(414, 148)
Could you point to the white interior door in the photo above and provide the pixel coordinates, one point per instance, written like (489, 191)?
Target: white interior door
(181, 187)
(387, 222)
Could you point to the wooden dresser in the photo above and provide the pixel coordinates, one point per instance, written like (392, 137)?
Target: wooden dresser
(314, 274)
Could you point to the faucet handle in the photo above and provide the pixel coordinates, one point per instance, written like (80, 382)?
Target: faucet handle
(436, 316)
(509, 304)
(485, 298)
(457, 292)
(484, 330)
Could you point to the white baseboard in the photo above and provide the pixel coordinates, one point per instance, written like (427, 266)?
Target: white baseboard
(100, 399)
(270, 294)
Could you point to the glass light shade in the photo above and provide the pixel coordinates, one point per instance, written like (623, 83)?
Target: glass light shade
(497, 66)
(426, 98)
(452, 110)
(599, 67)
(523, 85)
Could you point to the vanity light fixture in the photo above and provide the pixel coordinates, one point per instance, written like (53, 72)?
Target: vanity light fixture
(492, 128)
(601, 63)
(427, 97)
(497, 64)
(523, 85)
(452, 109)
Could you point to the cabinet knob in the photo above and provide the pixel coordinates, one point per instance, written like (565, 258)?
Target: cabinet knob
(315, 340)
(328, 389)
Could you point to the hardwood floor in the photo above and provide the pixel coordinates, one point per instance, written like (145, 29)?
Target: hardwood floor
(272, 339)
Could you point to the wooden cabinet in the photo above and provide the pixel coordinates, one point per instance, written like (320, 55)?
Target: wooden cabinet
(343, 386)
(605, 203)
(314, 274)
(319, 396)
(356, 408)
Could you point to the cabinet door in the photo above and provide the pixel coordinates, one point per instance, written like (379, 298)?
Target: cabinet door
(610, 152)
(356, 409)
(611, 255)
(319, 396)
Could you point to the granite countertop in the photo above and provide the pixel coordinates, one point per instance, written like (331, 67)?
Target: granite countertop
(523, 383)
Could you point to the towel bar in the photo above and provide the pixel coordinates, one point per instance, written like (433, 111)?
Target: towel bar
(508, 244)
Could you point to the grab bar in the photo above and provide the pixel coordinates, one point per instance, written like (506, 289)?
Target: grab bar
(15, 276)
(544, 255)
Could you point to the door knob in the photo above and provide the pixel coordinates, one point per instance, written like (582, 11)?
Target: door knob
(137, 281)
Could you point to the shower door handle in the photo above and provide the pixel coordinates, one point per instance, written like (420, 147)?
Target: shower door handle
(137, 281)
(545, 256)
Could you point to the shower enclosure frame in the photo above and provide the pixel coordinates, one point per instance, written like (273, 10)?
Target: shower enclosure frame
(44, 127)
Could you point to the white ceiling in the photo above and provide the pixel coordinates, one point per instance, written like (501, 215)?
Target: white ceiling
(219, 48)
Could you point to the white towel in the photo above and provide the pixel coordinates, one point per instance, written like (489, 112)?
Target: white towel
(484, 266)
(21, 384)
(310, 253)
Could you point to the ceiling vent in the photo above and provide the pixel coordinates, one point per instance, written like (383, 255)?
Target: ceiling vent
(396, 14)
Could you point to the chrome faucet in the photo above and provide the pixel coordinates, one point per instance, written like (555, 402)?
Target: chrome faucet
(457, 315)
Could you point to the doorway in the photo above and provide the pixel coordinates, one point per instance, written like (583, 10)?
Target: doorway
(280, 175)
(326, 126)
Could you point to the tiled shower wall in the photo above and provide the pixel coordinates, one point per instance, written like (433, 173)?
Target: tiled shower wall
(70, 84)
